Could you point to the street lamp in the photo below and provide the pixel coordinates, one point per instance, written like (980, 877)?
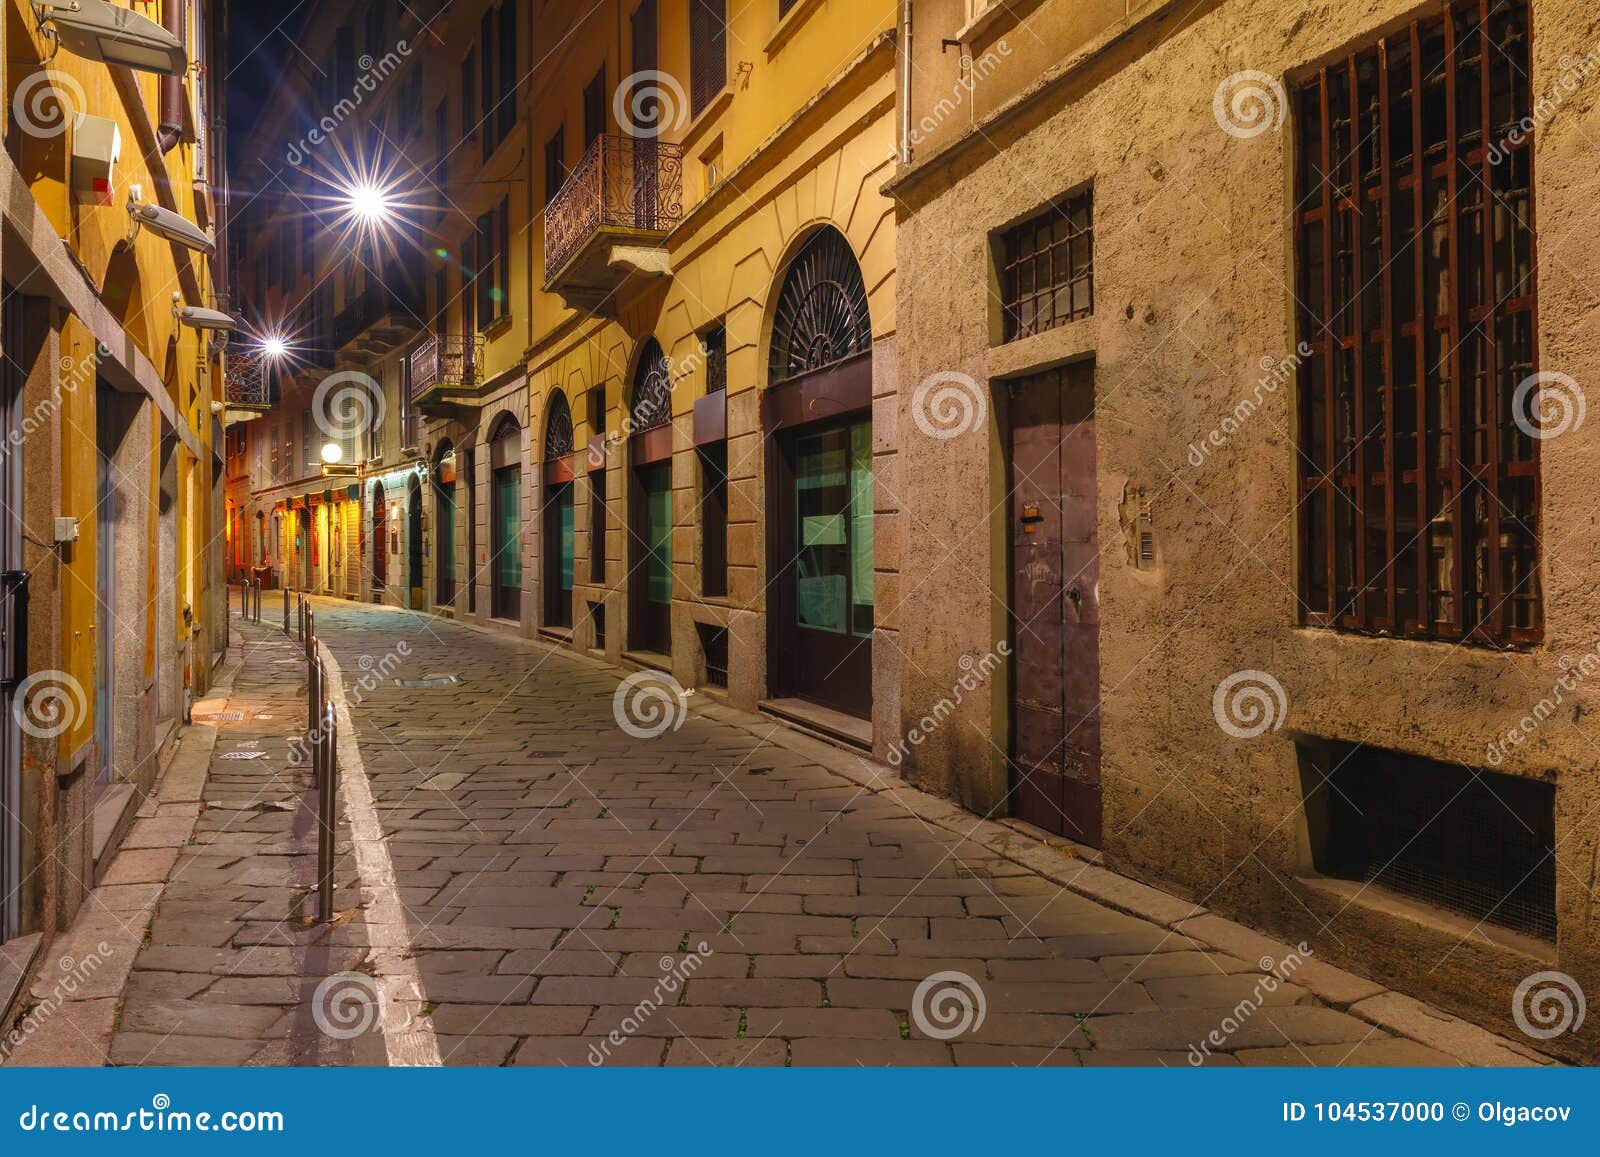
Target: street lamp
(331, 453)
(274, 346)
(369, 204)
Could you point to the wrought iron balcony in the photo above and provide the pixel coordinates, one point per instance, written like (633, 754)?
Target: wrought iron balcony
(446, 362)
(610, 217)
(247, 388)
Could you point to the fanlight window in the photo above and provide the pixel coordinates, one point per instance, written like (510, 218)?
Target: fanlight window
(558, 428)
(652, 389)
(822, 309)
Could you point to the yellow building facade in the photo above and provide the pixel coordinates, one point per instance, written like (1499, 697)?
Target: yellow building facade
(112, 546)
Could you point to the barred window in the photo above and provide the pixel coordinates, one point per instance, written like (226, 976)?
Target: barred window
(1047, 267)
(1419, 487)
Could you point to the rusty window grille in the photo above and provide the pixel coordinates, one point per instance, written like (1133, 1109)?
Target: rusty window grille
(1419, 486)
(1047, 267)
(708, 52)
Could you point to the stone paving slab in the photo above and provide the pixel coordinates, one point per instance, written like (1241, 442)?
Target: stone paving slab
(733, 892)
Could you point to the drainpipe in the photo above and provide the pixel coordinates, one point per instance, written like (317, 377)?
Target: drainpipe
(905, 82)
(171, 127)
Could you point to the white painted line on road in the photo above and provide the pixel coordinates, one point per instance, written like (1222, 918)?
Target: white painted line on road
(407, 1034)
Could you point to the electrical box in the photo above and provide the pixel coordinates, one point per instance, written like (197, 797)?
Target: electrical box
(96, 148)
(66, 530)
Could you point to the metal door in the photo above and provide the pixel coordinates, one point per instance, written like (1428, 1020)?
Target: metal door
(1054, 579)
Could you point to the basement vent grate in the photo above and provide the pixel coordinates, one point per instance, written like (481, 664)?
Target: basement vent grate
(1474, 842)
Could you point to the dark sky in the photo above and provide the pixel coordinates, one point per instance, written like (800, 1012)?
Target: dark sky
(261, 36)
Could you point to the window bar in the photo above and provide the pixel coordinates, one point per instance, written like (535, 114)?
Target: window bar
(1331, 363)
(1388, 333)
(1489, 405)
(1422, 487)
(1451, 360)
(1356, 468)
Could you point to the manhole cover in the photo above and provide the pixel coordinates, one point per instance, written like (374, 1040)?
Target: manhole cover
(430, 681)
(243, 755)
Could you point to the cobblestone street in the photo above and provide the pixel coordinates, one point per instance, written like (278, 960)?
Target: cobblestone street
(731, 892)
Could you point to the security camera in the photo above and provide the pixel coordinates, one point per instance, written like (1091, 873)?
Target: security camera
(172, 226)
(201, 318)
(97, 30)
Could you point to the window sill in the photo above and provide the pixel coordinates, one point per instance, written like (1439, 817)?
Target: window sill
(1380, 901)
(998, 17)
(706, 118)
(790, 21)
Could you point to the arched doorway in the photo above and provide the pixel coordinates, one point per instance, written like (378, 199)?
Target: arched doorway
(557, 516)
(444, 526)
(818, 404)
(505, 519)
(650, 504)
(380, 541)
(414, 541)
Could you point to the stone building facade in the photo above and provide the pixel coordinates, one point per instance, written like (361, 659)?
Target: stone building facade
(1165, 382)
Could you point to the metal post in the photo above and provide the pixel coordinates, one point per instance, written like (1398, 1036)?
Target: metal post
(244, 598)
(286, 610)
(300, 617)
(313, 692)
(327, 810)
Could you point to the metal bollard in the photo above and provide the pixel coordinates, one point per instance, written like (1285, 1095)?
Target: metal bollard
(327, 810)
(286, 610)
(313, 692)
(300, 617)
(256, 617)
(244, 598)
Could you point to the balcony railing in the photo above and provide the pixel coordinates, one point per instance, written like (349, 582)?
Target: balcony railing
(382, 314)
(448, 361)
(622, 183)
(246, 383)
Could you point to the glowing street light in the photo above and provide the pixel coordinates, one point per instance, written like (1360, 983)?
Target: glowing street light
(331, 453)
(274, 346)
(369, 204)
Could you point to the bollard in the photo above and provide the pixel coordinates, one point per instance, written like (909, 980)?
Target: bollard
(286, 610)
(313, 693)
(300, 617)
(244, 598)
(327, 810)
(256, 616)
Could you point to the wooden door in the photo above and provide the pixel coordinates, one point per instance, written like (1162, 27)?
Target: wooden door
(1054, 580)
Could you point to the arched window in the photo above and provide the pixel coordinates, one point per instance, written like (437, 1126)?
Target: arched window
(821, 316)
(652, 389)
(557, 427)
